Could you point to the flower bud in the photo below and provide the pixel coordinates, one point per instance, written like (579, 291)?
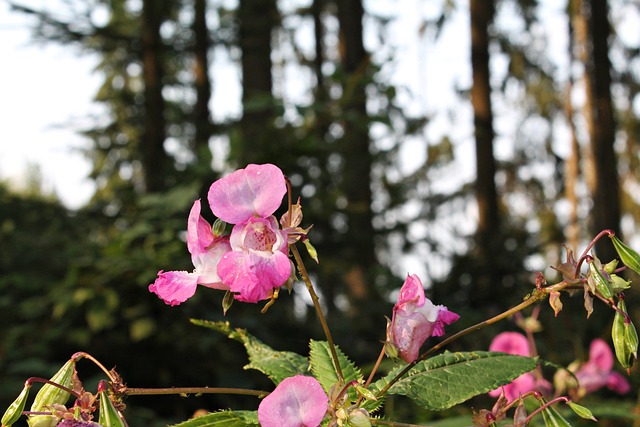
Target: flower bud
(629, 257)
(218, 227)
(359, 418)
(14, 411)
(598, 281)
(50, 395)
(227, 301)
(109, 415)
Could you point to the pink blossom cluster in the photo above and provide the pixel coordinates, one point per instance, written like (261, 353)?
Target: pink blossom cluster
(253, 260)
(415, 318)
(592, 375)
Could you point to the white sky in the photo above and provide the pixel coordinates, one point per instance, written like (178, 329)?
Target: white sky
(46, 91)
(43, 91)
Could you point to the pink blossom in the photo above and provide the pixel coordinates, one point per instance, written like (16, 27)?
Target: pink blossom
(255, 191)
(511, 343)
(175, 287)
(258, 262)
(514, 343)
(416, 318)
(298, 401)
(597, 371)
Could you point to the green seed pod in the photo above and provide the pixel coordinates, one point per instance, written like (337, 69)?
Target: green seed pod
(50, 394)
(14, 411)
(600, 282)
(619, 332)
(109, 415)
(629, 257)
(552, 418)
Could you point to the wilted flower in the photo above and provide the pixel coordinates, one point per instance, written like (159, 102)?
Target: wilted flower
(175, 287)
(597, 372)
(416, 318)
(298, 401)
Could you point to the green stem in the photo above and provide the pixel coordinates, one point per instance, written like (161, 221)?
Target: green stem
(377, 422)
(537, 295)
(316, 303)
(130, 391)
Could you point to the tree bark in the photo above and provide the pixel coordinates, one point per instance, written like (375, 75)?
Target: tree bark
(256, 22)
(488, 234)
(354, 147)
(606, 188)
(202, 82)
(154, 157)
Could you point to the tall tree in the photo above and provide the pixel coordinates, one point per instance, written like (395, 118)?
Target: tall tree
(153, 154)
(356, 153)
(257, 20)
(488, 230)
(602, 127)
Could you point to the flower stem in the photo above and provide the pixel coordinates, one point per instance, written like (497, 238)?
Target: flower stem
(378, 422)
(130, 391)
(316, 303)
(536, 296)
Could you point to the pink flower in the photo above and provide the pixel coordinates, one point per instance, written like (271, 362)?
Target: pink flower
(258, 262)
(298, 401)
(255, 191)
(597, 371)
(513, 343)
(416, 318)
(175, 287)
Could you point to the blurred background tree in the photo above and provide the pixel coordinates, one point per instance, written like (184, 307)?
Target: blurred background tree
(317, 101)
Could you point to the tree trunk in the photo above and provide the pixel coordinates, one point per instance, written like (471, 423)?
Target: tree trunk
(154, 158)
(201, 112)
(488, 235)
(605, 190)
(354, 147)
(256, 22)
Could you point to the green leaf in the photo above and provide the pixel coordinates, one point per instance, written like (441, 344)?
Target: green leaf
(277, 365)
(445, 380)
(324, 370)
(223, 419)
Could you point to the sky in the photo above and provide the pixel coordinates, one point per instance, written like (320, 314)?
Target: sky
(46, 93)
(47, 89)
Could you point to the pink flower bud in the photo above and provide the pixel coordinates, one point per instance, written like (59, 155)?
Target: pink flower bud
(416, 318)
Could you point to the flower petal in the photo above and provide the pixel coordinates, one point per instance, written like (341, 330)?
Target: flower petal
(600, 355)
(199, 233)
(298, 401)
(256, 190)
(252, 276)
(510, 342)
(412, 291)
(175, 287)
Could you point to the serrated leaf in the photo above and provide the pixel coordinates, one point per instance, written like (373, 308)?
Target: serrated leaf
(277, 365)
(324, 370)
(223, 419)
(445, 380)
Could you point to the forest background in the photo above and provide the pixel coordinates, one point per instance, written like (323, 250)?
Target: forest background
(537, 147)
